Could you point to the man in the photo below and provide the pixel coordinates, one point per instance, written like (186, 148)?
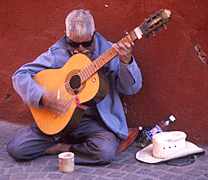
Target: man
(97, 137)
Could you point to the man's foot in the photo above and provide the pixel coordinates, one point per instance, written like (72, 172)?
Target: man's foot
(57, 148)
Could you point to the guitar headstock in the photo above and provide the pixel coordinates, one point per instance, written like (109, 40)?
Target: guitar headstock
(154, 22)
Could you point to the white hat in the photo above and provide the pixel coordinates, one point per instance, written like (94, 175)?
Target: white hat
(166, 146)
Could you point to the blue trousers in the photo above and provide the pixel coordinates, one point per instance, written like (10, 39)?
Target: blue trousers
(91, 142)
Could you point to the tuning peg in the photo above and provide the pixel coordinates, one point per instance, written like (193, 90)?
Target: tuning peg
(165, 26)
(158, 29)
(127, 32)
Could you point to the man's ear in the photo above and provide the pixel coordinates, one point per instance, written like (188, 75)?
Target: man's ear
(95, 34)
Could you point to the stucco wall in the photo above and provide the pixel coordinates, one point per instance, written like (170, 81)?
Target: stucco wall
(175, 80)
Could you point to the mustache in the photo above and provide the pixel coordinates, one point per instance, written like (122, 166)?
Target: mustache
(83, 52)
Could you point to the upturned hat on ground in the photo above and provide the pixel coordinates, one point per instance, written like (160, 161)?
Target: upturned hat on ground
(166, 146)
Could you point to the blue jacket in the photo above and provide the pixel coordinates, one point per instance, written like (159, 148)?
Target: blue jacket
(123, 78)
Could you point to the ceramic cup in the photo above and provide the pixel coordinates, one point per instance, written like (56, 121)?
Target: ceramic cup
(66, 162)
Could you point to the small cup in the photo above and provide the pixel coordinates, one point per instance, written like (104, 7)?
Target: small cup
(66, 162)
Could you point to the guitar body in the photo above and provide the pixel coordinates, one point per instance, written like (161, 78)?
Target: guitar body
(63, 82)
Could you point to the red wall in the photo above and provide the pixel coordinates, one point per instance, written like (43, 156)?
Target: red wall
(175, 80)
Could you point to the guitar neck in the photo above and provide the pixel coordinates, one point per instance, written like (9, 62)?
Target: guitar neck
(147, 27)
(97, 64)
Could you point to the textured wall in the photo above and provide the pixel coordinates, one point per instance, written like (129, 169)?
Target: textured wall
(175, 78)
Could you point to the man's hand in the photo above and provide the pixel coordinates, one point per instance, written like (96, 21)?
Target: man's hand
(124, 52)
(58, 105)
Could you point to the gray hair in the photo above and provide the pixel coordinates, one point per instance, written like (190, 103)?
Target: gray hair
(80, 23)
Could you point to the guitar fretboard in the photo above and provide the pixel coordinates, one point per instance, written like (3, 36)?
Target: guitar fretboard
(97, 64)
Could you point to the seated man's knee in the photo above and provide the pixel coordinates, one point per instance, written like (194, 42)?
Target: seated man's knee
(105, 147)
(14, 151)
(106, 155)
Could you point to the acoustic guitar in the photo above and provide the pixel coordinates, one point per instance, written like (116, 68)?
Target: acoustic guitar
(80, 81)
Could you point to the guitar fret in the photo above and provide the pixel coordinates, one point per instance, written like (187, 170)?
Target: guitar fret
(103, 61)
(85, 75)
(112, 52)
(99, 63)
(135, 37)
(85, 71)
(81, 76)
(94, 66)
(105, 58)
(91, 69)
(129, 38)
(123, 40)
(108, 55)
(88, 71)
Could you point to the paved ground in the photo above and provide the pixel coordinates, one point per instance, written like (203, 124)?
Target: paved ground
(125, 166)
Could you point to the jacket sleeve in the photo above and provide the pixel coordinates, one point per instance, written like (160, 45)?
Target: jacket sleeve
(129, 79)
(23, 82)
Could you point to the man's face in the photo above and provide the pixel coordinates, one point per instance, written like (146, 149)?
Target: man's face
(84, 45)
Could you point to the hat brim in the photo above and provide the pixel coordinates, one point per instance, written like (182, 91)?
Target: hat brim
(145, 155)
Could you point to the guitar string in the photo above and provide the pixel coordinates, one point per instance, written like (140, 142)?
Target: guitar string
(130, 37)
(112, 52)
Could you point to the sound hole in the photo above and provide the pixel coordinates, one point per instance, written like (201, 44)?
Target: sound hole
(75, 82)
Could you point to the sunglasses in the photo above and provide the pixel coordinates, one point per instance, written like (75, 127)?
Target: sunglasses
(84, 44)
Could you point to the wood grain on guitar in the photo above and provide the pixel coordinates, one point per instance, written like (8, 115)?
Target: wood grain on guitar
(82, 78)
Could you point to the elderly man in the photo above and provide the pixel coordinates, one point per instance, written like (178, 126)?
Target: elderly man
(98, 135)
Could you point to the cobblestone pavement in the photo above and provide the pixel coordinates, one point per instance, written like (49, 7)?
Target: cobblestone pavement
(125, 166)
